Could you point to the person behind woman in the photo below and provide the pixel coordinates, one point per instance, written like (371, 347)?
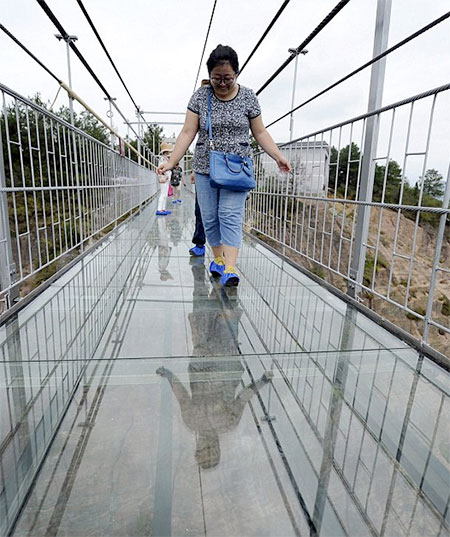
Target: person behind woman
(175, 182)
(164, 179)
(235, 110)
(199, 239)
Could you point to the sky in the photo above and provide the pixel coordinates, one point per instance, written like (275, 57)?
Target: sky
(157, 46)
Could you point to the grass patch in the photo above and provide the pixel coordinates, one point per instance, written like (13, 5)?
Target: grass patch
(369, 267)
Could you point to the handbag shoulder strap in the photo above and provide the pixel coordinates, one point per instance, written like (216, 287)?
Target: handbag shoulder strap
(209, 122)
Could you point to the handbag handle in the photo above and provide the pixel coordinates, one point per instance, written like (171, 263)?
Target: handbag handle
(209, 122)
(241, 165)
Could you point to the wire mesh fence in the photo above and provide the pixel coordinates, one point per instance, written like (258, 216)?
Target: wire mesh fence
(377, 228)
(44, 352)
(59, 189)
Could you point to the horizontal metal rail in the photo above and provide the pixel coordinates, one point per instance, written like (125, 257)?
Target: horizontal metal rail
(409, 100)
(44, 356)
(60, 189)
(436, 210)
(311, 213)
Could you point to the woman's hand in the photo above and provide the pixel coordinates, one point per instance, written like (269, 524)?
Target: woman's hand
(163, 168)
(283, 164)
(268, 145)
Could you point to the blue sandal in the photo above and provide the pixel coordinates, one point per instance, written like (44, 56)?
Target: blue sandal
(217, 267)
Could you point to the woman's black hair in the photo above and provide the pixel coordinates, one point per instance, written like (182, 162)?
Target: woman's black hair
(223, 54)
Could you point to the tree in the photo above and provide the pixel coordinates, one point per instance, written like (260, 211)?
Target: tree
(410, 195)
(345, 175)
(153, 137)
(433, 184)
(340, 171)
(393, 182)
(90, 125)
(85, 122)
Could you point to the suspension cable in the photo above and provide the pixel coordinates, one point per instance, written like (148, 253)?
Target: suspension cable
(69, 91)
(204, 44)
(94, 29)
(267, 30)
(72, 45)
(23, 47)
(373, 60)
(311, 36)
(62, 84)
(408, 100)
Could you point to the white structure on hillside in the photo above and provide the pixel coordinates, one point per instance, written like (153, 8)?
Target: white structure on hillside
(310, 161)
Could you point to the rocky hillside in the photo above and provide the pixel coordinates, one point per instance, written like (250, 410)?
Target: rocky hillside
(401, 271)
(415, 296)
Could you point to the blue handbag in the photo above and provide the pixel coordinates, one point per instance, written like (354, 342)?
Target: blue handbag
(228, 170)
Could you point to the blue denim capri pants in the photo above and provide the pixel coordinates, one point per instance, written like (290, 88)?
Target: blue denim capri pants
(222, 212)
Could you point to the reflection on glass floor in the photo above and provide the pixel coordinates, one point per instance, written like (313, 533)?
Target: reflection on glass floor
(139, 398)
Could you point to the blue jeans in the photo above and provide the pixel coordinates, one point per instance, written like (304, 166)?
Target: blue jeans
(222, 212)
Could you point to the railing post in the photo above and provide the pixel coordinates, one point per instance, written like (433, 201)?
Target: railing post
(335, 405)
(138, 114)
(110, 114)
(437, 256)
(294, 83)
(71, 39)
(370, 143)
(114, 183)
(286, 203)
(79, 195)
(7, 265)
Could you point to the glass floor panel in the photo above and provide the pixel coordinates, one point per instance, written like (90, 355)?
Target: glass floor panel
(138, 398)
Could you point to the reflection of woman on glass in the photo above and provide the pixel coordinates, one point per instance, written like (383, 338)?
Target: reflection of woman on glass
(235, 111)
(212, 406)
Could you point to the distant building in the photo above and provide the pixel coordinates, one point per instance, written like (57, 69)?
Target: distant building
(310, 163)
(170, 139)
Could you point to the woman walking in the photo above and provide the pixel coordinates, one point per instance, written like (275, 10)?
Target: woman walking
(234, 111)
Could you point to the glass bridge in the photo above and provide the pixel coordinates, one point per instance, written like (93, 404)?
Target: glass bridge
(139, 398)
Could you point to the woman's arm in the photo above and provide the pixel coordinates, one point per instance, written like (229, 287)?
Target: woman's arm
(184, 140)
(266, 142)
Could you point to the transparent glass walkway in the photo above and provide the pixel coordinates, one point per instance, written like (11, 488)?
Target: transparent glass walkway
(139, 398)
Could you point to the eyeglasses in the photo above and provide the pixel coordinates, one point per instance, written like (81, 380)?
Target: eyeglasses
(227, 80)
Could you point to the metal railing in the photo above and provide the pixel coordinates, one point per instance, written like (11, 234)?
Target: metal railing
(354, 437)
(59, 189)
(398, 262)
(44, 354)
(356, 390)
